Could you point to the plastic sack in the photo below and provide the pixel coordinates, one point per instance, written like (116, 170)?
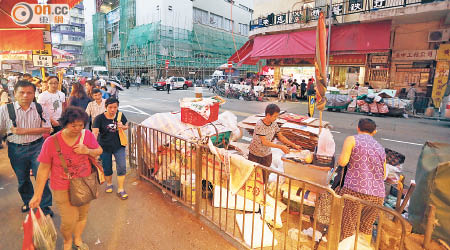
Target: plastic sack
(326, 145)
(43, 231)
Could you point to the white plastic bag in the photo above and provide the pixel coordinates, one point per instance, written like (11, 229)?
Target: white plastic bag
(326, 145)
(44, 231)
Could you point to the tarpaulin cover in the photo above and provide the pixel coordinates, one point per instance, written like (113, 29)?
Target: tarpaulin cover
(345, 39)
(433, 187)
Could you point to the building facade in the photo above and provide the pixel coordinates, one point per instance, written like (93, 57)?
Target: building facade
(389, 44)
(134, 37)
(70, 37)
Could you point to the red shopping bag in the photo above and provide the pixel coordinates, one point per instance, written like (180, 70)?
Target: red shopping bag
(27, 243)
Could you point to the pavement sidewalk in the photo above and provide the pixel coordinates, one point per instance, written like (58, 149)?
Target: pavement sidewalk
(147, 220)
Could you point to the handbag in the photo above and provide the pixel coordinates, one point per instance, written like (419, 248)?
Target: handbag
(82, 190)
(122, 136)
(338, 181)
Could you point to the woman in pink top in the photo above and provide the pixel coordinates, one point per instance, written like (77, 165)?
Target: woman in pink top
(365, 159)
(76, 155)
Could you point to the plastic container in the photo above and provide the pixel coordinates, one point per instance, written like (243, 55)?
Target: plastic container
(191, 117)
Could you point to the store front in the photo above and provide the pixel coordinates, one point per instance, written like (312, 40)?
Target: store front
(292, 54)
(413, 66)
(347, 70)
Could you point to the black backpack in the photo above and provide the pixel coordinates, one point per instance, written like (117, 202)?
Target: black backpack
(12, 114)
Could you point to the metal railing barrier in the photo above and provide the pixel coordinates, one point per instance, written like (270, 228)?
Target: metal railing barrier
(287, 213)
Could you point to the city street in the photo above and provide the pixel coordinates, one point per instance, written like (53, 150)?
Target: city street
(402, 135)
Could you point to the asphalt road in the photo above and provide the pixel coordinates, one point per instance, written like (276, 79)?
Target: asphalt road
(406, 136)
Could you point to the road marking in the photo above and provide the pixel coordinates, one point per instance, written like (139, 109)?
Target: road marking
(245, 138)
(134, 110)
(336, 132)
(156, 99)
(405, 142)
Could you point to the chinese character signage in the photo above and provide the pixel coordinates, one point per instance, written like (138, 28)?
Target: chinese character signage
(440, 82)
(443, 54)
(379, 4)
(42, 61)
(338, 9)
(379, 59)
(281, 19)
(355, 5)
(414, 55)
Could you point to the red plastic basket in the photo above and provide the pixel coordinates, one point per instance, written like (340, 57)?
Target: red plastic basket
(191, 117)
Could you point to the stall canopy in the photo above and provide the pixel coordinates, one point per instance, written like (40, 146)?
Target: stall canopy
(345, 39)
(17, 37)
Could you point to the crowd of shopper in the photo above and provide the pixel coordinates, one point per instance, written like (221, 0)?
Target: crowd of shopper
(48, 127)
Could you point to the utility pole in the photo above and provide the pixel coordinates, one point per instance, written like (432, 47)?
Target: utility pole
(330, 15)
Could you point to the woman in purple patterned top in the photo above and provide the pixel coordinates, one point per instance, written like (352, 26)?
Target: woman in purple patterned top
(365, 159)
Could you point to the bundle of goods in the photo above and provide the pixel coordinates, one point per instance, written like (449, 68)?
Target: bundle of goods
(200, 111)
(301, 130)
(337, 101)
(372, 104)
(397, 106)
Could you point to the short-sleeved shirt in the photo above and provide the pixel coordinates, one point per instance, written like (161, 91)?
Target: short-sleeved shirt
(108, 136)
(77, 164)
(269, 131)
(94, 109)
(52, 103)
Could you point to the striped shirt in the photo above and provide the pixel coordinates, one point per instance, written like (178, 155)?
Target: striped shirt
(94, 109)
(24, 119)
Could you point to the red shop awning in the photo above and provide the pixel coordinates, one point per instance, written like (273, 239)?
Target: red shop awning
(345, 39)
(17, 37)
(243, 56)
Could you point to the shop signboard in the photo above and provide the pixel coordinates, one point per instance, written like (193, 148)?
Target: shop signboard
(355, 6)
(440, 82)
(379, 59)
(443, 54)
(290, 62)
(414, 55)
(47, 51)
(348, 59)
(42, 61)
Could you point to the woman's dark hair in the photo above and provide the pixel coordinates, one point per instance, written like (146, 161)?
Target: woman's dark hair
(72, 114)
(24, 84)
(91, 83)
(367, 125)
(103, 87)
(78, 91)
(95, 91)
(272, 109)
(111, 100)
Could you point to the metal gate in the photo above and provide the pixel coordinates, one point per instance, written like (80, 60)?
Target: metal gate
(277, 212)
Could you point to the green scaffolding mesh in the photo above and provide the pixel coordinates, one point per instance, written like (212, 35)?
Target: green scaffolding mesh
(94, 51)
(145, 48)
(203, 47)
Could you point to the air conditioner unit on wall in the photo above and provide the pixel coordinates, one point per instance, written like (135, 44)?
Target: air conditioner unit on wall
(441, 35)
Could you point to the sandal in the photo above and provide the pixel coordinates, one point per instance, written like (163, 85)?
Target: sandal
(109, 188)
(123, 195)
(83, 246)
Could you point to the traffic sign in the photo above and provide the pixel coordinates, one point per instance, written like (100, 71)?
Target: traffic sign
(230, 64)
(42, 61)
(47, 51)
(167, 64)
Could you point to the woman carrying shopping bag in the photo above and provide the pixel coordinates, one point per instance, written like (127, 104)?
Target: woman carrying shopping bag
(66, 155)
(109, 129)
